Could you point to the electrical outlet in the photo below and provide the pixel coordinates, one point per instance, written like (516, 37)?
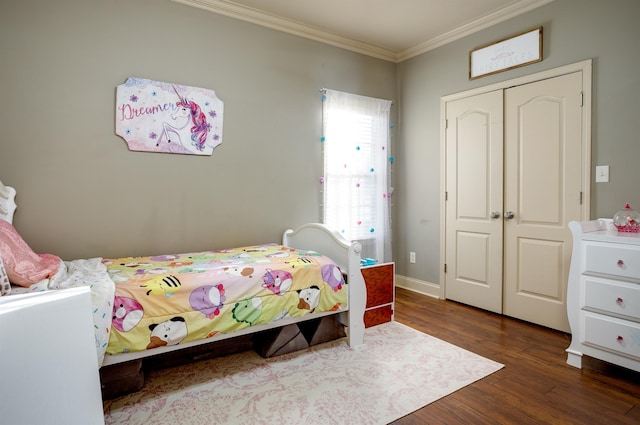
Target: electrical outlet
(412, 257)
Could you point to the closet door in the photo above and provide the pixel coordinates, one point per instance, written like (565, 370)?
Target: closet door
(512, 186)
(543, 181)
(474, 166)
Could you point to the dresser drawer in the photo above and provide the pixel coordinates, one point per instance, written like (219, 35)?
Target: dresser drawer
(621, 299)
(613, 259)
(612, 334)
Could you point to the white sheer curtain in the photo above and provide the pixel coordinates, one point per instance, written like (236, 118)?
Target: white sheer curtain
(356, 170)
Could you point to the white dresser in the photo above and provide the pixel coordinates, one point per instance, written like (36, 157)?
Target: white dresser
(603, 295)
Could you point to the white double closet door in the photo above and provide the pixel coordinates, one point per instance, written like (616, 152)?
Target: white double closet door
(515, 161)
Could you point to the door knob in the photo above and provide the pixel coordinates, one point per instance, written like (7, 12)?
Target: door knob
(508, 215)
(495, 214)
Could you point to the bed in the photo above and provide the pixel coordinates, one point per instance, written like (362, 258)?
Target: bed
(145, 306)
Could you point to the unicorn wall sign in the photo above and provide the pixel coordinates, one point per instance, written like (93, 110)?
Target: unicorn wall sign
(154, 116)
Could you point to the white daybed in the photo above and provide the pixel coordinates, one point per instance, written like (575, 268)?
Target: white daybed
(169, 277)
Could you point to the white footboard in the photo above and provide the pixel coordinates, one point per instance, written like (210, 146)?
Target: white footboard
(318, 237)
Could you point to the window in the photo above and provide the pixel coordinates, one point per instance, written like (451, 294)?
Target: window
(356, 193)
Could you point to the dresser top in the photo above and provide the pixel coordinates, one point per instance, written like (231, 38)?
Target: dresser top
(612, 235)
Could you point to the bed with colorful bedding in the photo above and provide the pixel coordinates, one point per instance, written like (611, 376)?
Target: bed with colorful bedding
(172, 299)
(143, 306)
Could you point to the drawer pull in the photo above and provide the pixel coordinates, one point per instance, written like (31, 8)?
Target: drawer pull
(620, 263)
(619, 301)
(620, 339)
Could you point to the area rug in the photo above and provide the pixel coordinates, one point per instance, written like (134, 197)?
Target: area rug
(397, 371)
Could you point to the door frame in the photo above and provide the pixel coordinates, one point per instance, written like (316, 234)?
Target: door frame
(586, 68)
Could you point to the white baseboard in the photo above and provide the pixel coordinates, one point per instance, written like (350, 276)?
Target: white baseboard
(420, 286)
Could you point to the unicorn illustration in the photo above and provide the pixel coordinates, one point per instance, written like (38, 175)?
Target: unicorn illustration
(187, 111)
(181, 120)
(200, 127)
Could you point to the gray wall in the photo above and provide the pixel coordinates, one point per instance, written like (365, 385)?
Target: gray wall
(574, 30)
(82, 193)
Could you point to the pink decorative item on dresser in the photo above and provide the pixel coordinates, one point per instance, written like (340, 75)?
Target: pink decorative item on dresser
(627, 220)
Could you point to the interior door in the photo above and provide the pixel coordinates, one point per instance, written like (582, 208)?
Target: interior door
(514, 176)
(474, 173)
(543, 169)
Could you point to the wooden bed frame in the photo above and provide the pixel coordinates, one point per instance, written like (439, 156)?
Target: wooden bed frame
(312, 236)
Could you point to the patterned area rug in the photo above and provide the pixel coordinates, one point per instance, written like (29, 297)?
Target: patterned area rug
(397, 371)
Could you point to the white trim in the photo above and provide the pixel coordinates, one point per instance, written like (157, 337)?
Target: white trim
(258, 17)
(265, 19)
(501, 15)
(419, 286)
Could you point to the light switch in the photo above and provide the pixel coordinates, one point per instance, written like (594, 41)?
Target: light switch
(602, 174)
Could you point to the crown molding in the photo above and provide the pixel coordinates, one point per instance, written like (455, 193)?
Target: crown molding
(279, 23)
(258, 17)
(501, 15)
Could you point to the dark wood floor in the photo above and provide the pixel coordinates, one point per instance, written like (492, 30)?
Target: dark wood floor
(536, 386)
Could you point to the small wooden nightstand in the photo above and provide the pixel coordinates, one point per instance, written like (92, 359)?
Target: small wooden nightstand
(380, 282)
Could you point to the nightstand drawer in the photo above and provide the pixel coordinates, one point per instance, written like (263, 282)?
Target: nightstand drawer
(621, 299)
(616, 260)
(377, 316)
(379, 280)
(612, 334)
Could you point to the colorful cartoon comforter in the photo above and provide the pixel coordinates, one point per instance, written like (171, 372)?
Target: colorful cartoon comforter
(173, 299)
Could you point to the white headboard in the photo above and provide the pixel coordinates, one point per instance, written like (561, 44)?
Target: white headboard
(7, 202)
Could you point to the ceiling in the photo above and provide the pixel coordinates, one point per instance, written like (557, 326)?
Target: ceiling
(393, 30)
